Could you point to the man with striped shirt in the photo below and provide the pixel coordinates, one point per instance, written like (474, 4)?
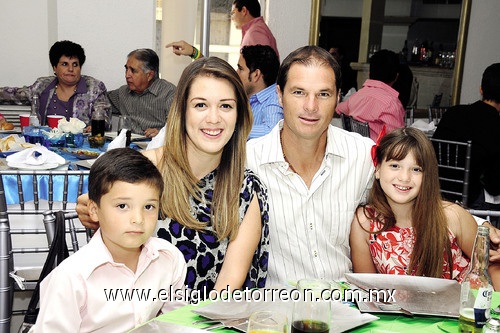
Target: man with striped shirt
(377, 102)
(316, 174)
(146, 98)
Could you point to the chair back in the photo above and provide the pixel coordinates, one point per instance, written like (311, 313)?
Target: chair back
(486, 214)
(409, 115)
(346, 121)
(352, 125)
(360, 127)
(454, 168)
(27, 199)
(436, 113)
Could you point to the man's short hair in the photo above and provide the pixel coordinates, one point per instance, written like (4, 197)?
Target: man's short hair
(384, 66)
(264, 58)
(253, 6)
(490, 83)
(309, 55)
(149, 58)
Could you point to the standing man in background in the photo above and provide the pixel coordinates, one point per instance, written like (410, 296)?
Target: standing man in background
(258, 67)
(146, 98)
(246, 16)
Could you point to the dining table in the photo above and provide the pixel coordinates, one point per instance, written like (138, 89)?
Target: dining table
(74, 161)
(387, 323)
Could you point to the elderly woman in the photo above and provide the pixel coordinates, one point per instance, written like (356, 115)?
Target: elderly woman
(69, 93)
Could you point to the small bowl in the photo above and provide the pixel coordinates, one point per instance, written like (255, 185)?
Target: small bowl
(96, 141)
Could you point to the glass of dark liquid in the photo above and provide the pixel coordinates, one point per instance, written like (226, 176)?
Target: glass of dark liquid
(312, 313)
(267, 322)
(98, 123)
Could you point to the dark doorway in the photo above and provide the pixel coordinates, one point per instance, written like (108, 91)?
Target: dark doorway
(343, 31)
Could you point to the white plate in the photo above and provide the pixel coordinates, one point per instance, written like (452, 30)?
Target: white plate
(87, 164)
(343, 318)
(133, 136)
(24, 166)
(15, 130)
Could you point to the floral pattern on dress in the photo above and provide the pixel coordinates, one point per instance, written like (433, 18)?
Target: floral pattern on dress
(203, 253)
(391, 252)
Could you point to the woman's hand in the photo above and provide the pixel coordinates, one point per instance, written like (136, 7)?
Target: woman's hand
(83, 212)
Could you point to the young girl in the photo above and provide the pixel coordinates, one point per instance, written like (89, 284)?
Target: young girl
(406, 228)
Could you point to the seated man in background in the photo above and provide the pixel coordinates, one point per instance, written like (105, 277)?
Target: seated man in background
(258, 67)
(480, 123)
(146, 98)
(377, 102)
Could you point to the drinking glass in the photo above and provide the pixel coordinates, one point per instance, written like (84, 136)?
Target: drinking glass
(267, 322)
(312, 312)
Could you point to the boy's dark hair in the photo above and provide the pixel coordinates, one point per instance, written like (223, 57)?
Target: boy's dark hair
(490, 83)
(66, 48)
(384, 66)
(122, 164)
(253, 6)
(264, 58)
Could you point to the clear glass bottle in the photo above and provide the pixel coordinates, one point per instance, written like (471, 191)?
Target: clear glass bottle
(476, 292)
(35, 107)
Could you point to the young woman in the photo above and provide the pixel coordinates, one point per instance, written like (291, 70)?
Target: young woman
(215, 210)
(406, 228)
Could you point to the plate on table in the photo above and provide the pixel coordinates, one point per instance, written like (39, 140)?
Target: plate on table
(45, 166)
(81, 154)
(86, 164)
(15, 130)
(343, 317)
(133, 136)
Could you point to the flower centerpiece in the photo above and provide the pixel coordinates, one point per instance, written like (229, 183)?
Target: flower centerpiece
(73, 131)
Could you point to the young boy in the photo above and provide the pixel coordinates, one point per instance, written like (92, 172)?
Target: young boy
(122, 277)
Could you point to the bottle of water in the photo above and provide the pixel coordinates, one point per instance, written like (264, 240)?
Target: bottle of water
(476, 292)
(35, 107)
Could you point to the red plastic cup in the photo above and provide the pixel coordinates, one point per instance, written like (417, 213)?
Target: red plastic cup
(24, 119)
(53, 120)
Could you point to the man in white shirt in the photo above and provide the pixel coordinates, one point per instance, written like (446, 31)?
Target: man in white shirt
(316, 174)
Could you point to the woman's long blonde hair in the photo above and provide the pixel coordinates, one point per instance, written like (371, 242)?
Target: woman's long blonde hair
(428, 218)
(180, 183)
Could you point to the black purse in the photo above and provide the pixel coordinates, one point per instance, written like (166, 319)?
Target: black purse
(57, 253)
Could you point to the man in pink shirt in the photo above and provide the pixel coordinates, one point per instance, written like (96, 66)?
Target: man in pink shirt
(377, 102)
(246, 16)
